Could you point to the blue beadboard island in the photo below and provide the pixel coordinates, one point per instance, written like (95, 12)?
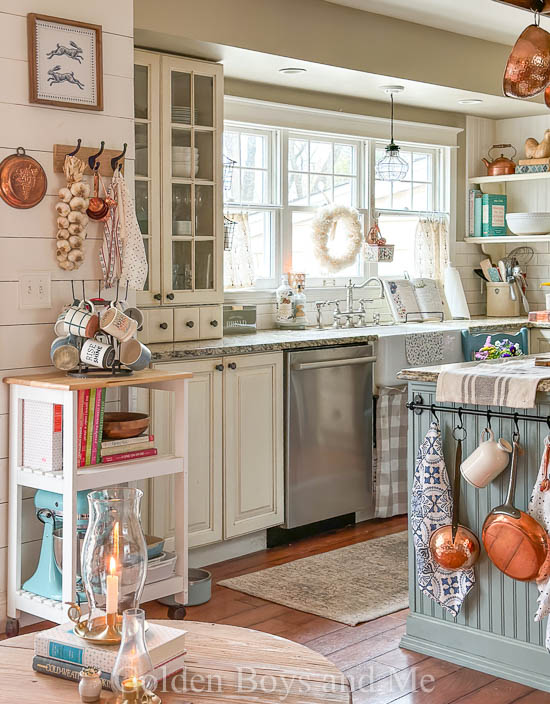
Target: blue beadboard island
(495, 631)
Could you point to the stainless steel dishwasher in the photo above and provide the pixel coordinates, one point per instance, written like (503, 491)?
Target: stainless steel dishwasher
(328, 433)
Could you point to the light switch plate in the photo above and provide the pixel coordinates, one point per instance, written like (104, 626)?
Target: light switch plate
(35, 289)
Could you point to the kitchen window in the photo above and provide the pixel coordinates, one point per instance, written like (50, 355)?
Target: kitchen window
(282, 177)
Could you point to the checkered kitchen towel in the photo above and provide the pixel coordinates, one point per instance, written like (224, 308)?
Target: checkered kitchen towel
(391, 450)
(432, 508)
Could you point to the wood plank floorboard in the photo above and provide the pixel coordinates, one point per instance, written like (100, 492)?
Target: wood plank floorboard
(379, 671)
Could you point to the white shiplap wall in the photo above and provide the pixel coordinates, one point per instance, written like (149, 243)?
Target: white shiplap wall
(27, 237)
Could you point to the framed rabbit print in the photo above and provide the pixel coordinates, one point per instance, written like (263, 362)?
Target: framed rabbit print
(65, 62)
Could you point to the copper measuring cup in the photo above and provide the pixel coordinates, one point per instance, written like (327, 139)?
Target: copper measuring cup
(455, 547)
(527, 71)
(515, 542)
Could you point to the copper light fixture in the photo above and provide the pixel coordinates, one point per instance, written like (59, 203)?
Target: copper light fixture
(392, 167)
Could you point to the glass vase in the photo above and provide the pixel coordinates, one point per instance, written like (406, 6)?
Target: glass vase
(132, 673)
(114, 561)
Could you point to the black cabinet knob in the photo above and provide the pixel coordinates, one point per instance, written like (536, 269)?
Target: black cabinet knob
(190, 324)
(232, 365)
(164, 326)
(170, 296)
(157, 297)
(214, 323)
(219, 367)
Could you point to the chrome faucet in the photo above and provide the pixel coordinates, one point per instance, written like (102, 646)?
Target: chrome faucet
(351, 286)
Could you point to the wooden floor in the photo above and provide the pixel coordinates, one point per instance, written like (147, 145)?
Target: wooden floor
(379, 671)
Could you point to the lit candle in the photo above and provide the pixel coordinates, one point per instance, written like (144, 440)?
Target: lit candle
(133, 689)
(112, 588)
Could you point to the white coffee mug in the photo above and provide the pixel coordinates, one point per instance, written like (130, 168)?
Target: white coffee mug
(487, 461)
(116, 323)
(81, 320)
(97, 354)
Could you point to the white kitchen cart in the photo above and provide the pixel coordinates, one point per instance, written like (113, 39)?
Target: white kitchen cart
(58, 388)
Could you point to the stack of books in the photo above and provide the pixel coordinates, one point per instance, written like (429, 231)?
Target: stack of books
(128, 448)
(91, 407)
(60, 653)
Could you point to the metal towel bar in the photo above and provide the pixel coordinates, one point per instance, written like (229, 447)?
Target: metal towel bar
(417, 405)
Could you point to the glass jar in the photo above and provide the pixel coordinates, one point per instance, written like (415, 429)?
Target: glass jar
(132, 673)
(285, 304)
(114, 561)
(300, 314)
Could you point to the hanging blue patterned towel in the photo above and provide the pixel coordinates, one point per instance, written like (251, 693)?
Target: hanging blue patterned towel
(431, 508)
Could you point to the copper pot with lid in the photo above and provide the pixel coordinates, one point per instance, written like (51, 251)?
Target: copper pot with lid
(455, 547)
(501, 166)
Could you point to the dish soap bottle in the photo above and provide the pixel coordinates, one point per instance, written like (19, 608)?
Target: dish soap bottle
(285, 304)
(300, 317)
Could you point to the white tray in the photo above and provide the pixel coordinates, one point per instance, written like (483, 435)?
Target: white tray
(161, 569)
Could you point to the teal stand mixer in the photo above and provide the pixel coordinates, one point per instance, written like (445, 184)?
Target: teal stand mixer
(47, 579)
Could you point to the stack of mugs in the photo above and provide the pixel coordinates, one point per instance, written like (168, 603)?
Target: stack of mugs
(96, 338)
(181, 161)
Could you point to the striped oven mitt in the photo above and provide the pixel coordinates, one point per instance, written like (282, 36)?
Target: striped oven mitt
(431, 508)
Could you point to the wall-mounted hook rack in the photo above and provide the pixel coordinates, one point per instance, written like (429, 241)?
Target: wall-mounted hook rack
(77, 148)
(92, 159)
(115, 161)
(84, 153)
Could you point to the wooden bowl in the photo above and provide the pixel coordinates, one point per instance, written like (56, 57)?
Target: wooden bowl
(120, 424)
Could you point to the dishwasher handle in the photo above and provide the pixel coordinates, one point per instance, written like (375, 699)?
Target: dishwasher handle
(302, 366)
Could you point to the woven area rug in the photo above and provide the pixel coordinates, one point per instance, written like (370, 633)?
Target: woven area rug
(351, 585)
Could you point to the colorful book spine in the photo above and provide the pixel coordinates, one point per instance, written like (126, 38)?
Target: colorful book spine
(79, 426)
(84, 426)
(130, 455)
(494, 215)
(100, 429)
(95, 429)
(90, 428)
(127, 441)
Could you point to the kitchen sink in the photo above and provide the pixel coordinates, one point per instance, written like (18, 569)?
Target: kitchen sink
(391, 355)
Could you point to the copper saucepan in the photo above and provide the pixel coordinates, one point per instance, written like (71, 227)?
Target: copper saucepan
(455, 547)
(515, 542)
(527, 71)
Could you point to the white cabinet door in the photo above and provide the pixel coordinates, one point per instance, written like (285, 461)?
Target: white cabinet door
(253, 443)
(205, 455)
(539, 342)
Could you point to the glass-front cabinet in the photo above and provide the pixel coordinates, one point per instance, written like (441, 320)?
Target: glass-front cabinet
(184, 167)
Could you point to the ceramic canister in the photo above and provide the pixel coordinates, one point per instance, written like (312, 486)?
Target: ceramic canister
(487, 461)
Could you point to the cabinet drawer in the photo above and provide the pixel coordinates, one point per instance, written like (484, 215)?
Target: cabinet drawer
(186, 324)
(158, 326)
(211, 322)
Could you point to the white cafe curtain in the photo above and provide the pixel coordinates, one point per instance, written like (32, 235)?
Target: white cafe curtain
(431, 248)
(238, 261)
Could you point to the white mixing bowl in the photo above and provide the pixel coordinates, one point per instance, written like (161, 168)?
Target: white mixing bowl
(529, 223)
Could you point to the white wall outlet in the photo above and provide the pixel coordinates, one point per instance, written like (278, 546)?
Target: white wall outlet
(35, 289)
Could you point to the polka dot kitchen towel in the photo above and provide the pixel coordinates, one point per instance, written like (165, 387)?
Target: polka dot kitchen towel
(539, 509)
(431, 508)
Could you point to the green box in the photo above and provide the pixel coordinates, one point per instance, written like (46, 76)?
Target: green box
(493, 215)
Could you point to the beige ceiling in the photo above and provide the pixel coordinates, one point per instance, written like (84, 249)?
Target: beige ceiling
(484, 19)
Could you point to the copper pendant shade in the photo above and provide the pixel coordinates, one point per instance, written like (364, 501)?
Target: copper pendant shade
(527, 72)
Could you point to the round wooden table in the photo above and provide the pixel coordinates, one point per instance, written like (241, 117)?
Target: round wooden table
(223, 663)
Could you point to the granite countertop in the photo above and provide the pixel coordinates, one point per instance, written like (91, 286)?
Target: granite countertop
(276, 340)
(432, 373)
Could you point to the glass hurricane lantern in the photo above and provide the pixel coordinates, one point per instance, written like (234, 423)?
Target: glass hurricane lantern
(114, 563)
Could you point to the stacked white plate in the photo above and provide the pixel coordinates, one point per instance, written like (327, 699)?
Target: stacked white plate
(181, 161)
(183, 114)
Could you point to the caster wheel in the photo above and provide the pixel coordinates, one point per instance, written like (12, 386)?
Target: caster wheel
(12, 627)
(176, 613)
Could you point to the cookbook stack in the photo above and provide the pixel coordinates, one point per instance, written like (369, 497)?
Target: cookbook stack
(60, 653)
(128, 448)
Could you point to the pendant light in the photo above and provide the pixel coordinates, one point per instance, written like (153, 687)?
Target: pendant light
(392, 167)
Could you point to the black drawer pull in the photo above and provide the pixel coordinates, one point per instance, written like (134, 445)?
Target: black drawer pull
(214, 323)
(190, 324)
(157, 297)
(232, 365)
(164, 326)
(170, 296)
(219, 367)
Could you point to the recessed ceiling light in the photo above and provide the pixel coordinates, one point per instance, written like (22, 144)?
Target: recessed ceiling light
(470, 101)
(292, 70)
